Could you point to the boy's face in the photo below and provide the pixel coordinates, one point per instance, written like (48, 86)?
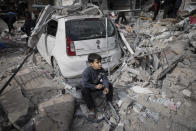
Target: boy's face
(96, 64)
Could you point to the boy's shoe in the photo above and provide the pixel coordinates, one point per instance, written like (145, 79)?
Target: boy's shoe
(91, 114)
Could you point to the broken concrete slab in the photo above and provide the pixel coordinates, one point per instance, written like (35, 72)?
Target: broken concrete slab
(37, 85)
(192, 38)
(45, 123)
(158, 28)
(141, 74)
(5, 124)
(140, 90)
(120, 127)
(162, 72)
(179, 46)
(164, 35)
(126, 103)
(179, 79)
(187, 93)
(124, 79)
(126, 43)
(59, 110)
(106, 127)
(17, 107)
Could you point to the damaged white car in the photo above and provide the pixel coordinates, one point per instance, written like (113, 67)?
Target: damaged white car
(64, 38)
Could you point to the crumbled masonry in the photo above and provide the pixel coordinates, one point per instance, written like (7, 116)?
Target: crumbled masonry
(154, 87)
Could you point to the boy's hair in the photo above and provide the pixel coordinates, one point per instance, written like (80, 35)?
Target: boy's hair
(93, 56)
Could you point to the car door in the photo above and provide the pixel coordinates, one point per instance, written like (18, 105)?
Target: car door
(47, 40)
(40, 26)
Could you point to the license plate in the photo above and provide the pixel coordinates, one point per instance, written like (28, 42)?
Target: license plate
(106, 59)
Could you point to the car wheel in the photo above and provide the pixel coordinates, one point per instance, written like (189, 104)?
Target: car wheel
(56, 68)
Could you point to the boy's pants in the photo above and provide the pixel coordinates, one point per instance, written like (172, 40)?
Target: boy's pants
(87, 96)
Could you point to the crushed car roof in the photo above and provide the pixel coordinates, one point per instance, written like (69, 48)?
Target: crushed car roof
(78, 11)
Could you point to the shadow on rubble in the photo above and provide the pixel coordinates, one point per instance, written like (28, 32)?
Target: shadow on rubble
(58, 115)
(12, 52)
(9, 47)
(5, 125)
(39, 95)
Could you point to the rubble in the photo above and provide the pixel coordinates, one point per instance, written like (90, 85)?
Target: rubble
(192, 37)
(138, 89)
(17, 113)
(186, 93)
(165, 58)
(120, 127)
(154, 89)
(106, 127)
(166, 69)
(57, 112)
(124, 106)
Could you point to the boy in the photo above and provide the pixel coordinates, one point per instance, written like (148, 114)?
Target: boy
(94, 79)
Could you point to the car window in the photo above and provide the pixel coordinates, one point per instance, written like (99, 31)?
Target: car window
(52, 28)
(88, 29)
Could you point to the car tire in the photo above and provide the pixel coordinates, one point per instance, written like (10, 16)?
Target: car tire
(56, 68)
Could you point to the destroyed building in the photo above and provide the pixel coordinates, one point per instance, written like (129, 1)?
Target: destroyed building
(154, 83)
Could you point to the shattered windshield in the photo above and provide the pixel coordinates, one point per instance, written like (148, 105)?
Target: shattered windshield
(88, 29)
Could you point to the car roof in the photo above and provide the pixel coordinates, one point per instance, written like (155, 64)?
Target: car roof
(76, 17)
(78, 12)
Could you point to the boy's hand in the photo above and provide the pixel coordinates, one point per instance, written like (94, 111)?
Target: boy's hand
(106, 91)
(99, 86)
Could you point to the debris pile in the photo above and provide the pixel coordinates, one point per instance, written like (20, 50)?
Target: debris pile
(16, 36)
(154, 88)
(157, 74)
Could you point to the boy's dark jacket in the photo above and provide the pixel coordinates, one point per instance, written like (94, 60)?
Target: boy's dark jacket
(91, 77)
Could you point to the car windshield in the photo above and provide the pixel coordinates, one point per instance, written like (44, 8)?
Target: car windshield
(88, 29)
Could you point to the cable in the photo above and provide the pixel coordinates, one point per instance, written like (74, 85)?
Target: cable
(7, 83)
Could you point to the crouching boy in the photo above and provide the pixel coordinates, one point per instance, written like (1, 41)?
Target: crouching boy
(94, 79)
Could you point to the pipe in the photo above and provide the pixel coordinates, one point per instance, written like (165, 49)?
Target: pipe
(106, 23)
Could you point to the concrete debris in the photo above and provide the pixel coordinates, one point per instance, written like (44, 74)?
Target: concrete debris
(158, 29)
(140, 90)
(126, 44)
(162, 72)
(56, 110)
(138, 108)
(178, 104)
(126, 103)
(189, 6)
(145, 113)
(192, 38)
(154, 88)
(186, 93)
(106, 127)
(164, 35)
(19, 108)
(167, 103)
(120, 127)
(141, 74)
(152, 115)
(112, 120)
